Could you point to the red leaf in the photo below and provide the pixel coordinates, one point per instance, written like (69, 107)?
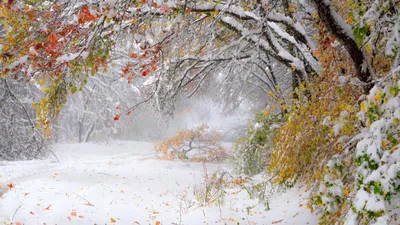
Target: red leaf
(145, 72)
(129, 113)
(165, 9)
(11, 185)
(116, 117)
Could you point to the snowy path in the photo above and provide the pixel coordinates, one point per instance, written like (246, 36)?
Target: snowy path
(125, 184)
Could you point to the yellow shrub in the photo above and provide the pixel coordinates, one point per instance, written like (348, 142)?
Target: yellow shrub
(315, 131)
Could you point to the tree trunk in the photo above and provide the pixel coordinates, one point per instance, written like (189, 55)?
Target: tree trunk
(326, 14)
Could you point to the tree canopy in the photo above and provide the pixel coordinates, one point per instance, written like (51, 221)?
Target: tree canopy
(178, 44)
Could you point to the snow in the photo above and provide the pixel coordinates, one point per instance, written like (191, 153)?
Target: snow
(340, 21)
(95, 183)
(33, 51)
(337, 127)
(68, 57)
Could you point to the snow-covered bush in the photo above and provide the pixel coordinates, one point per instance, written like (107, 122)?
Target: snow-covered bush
(197, 144)
(361, 185)
(332, 194)
(377, 185)
(253, 152)
(19, 138)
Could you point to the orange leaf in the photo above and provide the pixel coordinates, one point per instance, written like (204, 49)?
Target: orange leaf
(11, 185)
(113, 220)
(73, 213)
(48, 208)
(53, 39)
(18, 223)
(132, 55)
(158, 223)
(153, 67)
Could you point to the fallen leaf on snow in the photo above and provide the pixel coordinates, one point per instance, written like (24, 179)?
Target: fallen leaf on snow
(113, 220)
(73, 213)
(276, 222)
(31, 213)
(158, 223)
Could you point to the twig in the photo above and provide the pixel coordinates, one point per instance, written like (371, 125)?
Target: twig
(90, 204)
(12, 219)
(115, 198)
(54, 155)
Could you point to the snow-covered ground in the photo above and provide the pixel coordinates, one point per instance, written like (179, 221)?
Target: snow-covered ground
(125, 184)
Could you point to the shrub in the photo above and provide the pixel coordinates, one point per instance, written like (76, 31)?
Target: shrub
(197, 144)
(213, 189)
(322, 121)
(253, 152)
(19, 138)
(377, 157)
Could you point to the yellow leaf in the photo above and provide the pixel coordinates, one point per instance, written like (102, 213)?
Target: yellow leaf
(270, 93)
(113, 220)
(363, 106)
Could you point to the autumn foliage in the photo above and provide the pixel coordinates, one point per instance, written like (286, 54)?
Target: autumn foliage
(197, 144)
